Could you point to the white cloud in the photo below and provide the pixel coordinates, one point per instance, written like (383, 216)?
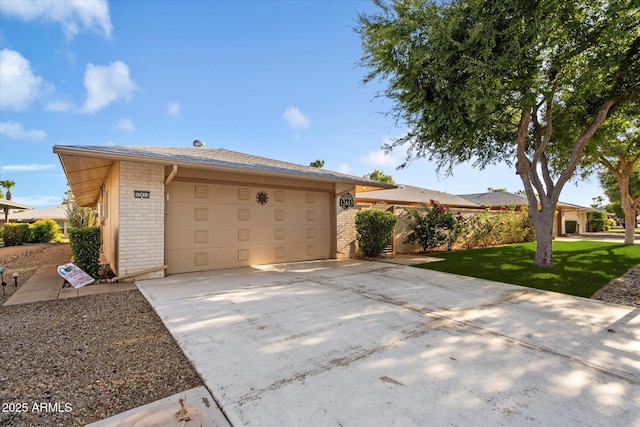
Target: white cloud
(380, 159)
(344, 168)
(106, 84)
(173, 108)
(15, 130)
(72, 15)
(27, 167)
(59, 106)
(296, 119)
(126, 124)
(392, 159)
(20, 86)
(39, 201)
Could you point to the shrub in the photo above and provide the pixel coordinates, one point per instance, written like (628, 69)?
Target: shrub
(85, 246)
(78, 216)
(437, 227)
(45, 230)
(375, 230)
(16, 234)
(493, 228)
(570, 226)
(597, 221)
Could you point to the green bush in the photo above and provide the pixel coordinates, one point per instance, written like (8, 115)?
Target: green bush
(85, 246)
(437, 227)
(16, 234)
(44, 231)
(375, 231)
(597, 221)
(570, 226)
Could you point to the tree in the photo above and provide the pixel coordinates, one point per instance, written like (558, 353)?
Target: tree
(8, 184)
(378, 175)
(78, 217)
(617, 148)
(317, 163)
(486, 81)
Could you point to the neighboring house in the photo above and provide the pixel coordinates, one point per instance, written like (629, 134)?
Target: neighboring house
(408, 195)
(56, 213)
(195, 209)
(399, 200)
(405, 197)
(8, 206)
(564, 211)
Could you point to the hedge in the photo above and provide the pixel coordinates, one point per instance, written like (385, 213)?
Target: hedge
(375, 231)
(570, 226)
(85, 246)
(16, 234)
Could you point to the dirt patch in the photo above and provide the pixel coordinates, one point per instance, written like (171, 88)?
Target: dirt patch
(82, 359)
(622, 290)
(25, 260)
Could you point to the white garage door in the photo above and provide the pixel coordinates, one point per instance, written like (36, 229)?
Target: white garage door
(210, 226)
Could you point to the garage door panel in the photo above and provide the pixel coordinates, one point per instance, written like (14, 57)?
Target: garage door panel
(212, 226)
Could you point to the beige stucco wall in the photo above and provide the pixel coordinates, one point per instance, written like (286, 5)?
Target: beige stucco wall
(574, 215)
(109, 216)
(140, 237)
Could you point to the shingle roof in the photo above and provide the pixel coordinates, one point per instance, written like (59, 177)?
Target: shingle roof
(219, 157)
(500, 199)
(496, 199)
(415, 195)
(55, 213)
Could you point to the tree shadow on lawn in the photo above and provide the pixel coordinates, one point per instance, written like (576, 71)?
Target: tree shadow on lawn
(580, 268)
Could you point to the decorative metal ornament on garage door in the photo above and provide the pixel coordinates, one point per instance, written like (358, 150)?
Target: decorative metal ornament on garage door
(262, 198)
(346, 201)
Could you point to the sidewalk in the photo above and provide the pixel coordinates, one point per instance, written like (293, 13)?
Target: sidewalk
(46, 285)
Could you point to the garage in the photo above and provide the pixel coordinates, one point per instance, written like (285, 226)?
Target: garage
(167, 210)
(211, 226)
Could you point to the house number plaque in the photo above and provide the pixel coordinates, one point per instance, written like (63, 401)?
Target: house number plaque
(346, 201)
(139, 194)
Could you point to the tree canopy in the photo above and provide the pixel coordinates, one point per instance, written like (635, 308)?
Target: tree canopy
(378, 175)
(506, 81)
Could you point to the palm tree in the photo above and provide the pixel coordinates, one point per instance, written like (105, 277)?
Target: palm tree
(7, 183)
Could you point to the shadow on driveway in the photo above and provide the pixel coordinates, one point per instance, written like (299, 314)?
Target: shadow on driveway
(359, 343)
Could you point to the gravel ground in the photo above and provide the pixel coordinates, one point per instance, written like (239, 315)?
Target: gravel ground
(74, 361)
(624, 290)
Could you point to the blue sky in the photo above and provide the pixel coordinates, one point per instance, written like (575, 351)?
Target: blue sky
(272, 78)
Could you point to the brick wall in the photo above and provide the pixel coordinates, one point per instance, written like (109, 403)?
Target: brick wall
(141, 232)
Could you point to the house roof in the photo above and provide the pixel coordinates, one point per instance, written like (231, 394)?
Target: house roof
(501, 199)
(87, 166)
(410, 195)
(496, 199)
(4, 203)
(54, 212)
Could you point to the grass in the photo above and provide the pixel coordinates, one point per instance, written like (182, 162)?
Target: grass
(580, 268)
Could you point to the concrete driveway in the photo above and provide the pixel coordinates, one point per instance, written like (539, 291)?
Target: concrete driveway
(358, 343)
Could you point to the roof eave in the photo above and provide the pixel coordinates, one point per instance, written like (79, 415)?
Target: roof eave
(364, 184)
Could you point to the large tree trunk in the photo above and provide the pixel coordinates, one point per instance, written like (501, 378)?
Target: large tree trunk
(622, 170)
(629, 226)
(627, 204)
(543, 222)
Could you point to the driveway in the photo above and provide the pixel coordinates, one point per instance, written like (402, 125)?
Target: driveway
(359, 343)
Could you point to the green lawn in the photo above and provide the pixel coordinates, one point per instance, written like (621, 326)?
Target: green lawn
(580, 268)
